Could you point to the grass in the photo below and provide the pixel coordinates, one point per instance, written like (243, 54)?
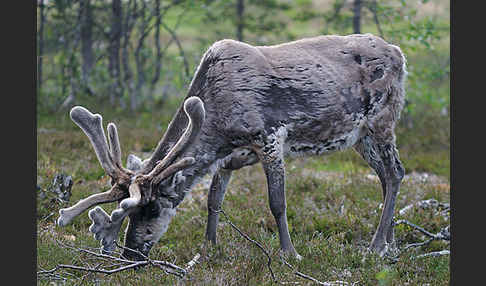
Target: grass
(333, 201)
(333, 210)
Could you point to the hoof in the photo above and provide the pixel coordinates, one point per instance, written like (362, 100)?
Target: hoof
(291, 253)
(379, 247)
(384, 249)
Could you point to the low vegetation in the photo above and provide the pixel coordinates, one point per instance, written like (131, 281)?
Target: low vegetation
(333, 201)
(333, 210)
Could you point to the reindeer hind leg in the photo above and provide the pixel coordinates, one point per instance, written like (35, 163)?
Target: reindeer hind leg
(383, 158)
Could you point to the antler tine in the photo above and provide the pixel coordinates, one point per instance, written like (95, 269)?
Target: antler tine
(134, 199)
(110, 161)
(154, 177)
(91, 124)
(194, 109)
(67, 214)
(114, 145)
(158, 174)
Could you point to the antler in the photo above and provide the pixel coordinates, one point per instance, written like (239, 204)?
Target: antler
(109, 158)
(105, 227)
(91, 124)
(194, 109)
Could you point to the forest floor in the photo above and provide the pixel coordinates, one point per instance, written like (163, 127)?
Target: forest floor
(333, 207)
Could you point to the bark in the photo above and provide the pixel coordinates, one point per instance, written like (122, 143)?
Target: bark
(71, 43)
(130, 18)
(41, 43)
(373, 8)
(357, 16)
(114, 51)
(139, 57)
(338, 6)
(158, 58)
(71, 70)
(179, 46)
(87, 53)
(240, 22)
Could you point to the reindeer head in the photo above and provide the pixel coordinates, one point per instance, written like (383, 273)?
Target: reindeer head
(144, 190)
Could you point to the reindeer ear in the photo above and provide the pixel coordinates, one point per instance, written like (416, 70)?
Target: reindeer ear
(134, 163)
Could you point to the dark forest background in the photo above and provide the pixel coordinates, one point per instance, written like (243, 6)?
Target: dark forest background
(138, 55)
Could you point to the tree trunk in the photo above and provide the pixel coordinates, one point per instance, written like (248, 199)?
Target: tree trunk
(114, 51)
(139, 57)
(40, 43)
(130, 18)
(179, 46)
(87, 53)
(240, 22)
(71, 43)
(357, 17)
(158, 59)
(373, 8)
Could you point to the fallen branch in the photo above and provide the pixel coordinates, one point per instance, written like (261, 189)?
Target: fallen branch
(109, 264)
(252, 241)
(424, 204)
(434, 254)
(95, 269)
(297, 273)
(193, 262)
(305, 276)
(443, 234)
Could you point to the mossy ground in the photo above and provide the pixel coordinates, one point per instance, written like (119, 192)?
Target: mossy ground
(333, 210)
(333, 200)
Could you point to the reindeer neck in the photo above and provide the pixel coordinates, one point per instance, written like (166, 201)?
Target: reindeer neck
(206, 163)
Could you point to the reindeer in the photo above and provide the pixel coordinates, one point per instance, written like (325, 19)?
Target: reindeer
(249, 104)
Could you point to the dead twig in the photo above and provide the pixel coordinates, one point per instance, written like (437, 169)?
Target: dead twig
(252, 241)
(193, 262)
(179, 46)
(297, 273)
(108, 264)
(434, 254)
(424, 204)
(305, 276)
(443, 234)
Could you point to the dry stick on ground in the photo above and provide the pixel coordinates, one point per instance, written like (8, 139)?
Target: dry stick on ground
(250, 240)
(300, 274)
(193, 262)
(426, 204)
(443, 234)
(120, 264)
(435, 254)
(305, 276)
